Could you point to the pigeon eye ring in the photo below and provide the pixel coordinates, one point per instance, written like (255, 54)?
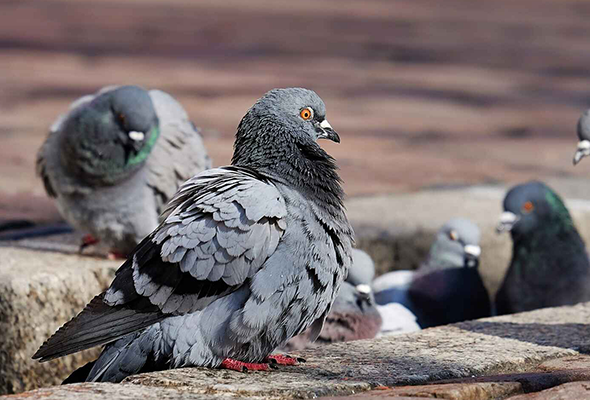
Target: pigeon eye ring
(306, 113)
(528, 207)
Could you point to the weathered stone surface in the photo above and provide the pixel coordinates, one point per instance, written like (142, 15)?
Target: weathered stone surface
(567, 391)
(503, 345)
(578, 362)
(40, 291)
(465, 391)
(103, 391)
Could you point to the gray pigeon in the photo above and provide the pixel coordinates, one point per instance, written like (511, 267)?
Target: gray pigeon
(549, 264)
(447, 287)
(354, 314)
(362, 271)
(352, 317)
(247, 256)
(583, 149)
(116, 158)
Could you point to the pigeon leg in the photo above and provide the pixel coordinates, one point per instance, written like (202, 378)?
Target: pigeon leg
(230, 363)
(284, 359)
(87, 240)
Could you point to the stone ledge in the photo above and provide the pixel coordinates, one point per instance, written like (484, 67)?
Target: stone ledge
(39, 291)
(516, 344)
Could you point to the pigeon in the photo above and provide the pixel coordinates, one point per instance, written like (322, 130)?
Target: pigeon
(354, 315)
(246, 257)
(583, 149)
(114, 161)
(549, 264)
(362, 271)
(447, 287)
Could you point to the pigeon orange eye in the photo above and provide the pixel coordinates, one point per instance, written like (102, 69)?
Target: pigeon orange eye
(453, 235)
(306, 113)
(527, 207)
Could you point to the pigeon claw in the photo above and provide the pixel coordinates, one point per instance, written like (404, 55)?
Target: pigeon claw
(284, 359)
(240, 366)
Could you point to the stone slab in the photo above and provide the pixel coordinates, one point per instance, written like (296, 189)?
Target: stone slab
(567, 391)
(39, 292)
(511, 344)
(457, 391)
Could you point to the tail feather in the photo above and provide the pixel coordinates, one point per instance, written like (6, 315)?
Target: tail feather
(80, 374)
(127, 356)
(99, 324)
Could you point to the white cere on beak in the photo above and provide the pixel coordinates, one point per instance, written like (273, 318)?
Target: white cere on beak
(325, 124)
(508, 218)
(473, 250)
(584, 145)
(364, 289)
(507, 221)
(137, 136)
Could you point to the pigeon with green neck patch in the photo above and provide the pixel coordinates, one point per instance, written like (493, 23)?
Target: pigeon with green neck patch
(549, 264)
(116, 158)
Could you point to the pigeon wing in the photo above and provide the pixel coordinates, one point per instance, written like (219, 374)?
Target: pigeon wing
(217, 232)
(179, 153)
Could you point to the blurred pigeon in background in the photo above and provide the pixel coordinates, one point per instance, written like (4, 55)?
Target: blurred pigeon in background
(115, 159)
(354, 314)
(447, 287)
(352, 317)
(549, 264)
(247, 256)
(583, 149)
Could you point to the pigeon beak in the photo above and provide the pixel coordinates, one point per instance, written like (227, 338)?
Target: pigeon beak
(364, 293)
(507, 222)
(582, 151)
(136, 139)
(472, 250)
(325, 131)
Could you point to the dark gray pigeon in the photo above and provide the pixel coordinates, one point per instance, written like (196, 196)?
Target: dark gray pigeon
(549, 264)
(116, 158)
(447, 287)
(354, 314)
(247, 256)
(583, 149)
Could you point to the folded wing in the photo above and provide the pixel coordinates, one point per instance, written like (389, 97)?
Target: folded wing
(217, 232)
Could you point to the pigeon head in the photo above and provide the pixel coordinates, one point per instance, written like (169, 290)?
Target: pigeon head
(583, 149)
(279, 134)
(362, 269)
(456, 245)
(531, 208)
(111, 136)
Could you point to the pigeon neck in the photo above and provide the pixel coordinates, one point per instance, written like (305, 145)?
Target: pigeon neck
(554, 246)
(305, 166)
(104, 162)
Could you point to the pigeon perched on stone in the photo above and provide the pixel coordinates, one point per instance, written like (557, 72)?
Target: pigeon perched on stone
(583, 149)
(549, 264)
(447, 287)
(247, 256)
(354, 314)
(116, 158)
